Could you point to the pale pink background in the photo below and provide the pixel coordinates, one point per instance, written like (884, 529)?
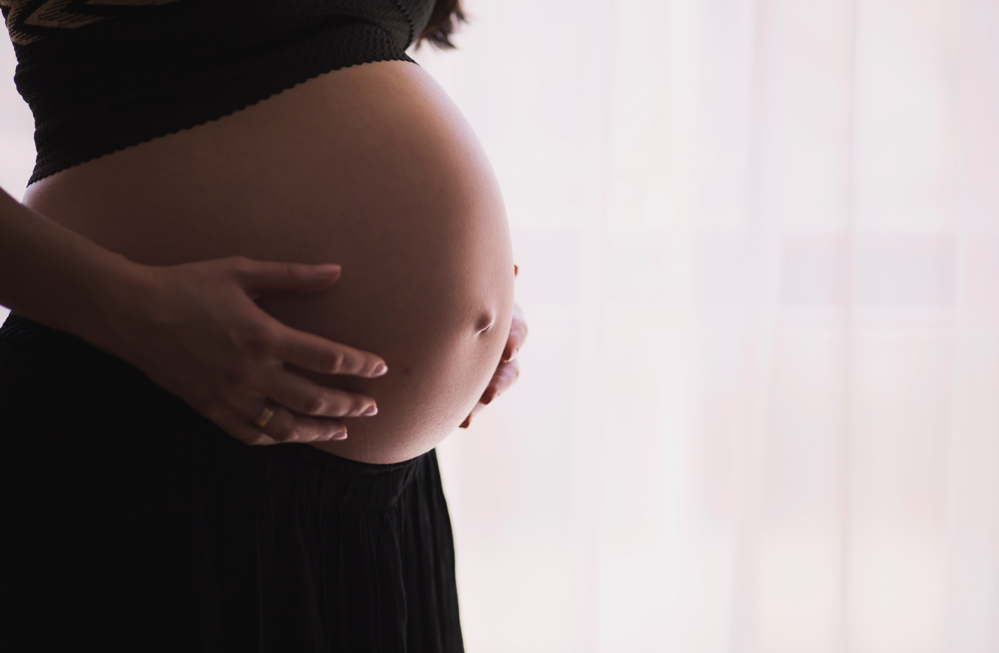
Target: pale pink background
(759, 253)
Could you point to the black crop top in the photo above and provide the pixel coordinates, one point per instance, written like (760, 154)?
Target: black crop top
(101, 75)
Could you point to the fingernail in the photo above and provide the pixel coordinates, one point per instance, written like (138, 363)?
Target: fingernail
(465, 424)
(380, 368)
(370, 411)
(488, 397)
(339, 435)
(326, 269)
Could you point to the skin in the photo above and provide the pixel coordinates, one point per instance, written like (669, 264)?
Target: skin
(508, 371)
(371, 168)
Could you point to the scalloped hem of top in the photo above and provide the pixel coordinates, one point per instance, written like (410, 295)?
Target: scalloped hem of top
(48, 166)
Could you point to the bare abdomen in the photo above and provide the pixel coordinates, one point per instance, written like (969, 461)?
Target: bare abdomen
(370, 167)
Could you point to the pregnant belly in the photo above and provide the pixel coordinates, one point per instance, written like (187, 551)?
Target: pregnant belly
(371, 167)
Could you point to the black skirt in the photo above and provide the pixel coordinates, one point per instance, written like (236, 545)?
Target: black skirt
(131, 523)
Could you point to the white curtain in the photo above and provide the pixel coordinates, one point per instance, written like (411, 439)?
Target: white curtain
(759, 255)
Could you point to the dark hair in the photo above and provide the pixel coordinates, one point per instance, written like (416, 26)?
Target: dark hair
(444, 20)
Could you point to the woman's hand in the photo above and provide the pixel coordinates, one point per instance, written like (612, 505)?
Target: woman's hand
(508, 370)
(195, 330)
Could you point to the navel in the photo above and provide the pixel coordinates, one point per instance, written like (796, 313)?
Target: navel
(484, 322)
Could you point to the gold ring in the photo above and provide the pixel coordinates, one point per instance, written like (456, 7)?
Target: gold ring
(265, 416)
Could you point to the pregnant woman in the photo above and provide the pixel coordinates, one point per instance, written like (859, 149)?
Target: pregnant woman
(180, 144)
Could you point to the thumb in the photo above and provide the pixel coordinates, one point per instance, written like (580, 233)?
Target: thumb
(259, 278)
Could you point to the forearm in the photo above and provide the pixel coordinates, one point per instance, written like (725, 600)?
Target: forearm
(51, 274)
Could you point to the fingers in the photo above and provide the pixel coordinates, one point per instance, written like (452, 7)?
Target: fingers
(320, 355)
(518, 334)
(504, 377)
(259, 278)
(468, 420)
(283, 426)
(253, 425)
(303, 396)
(245, 432)
(308, 351)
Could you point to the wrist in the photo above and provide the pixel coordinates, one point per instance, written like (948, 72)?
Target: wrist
(114, 287)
